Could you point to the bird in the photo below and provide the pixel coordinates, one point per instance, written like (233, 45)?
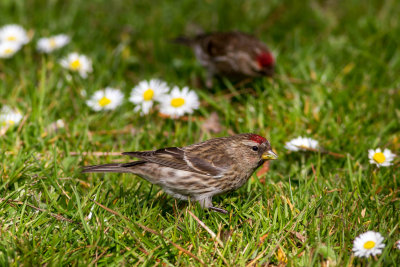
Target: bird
(233, 54)
(199, 171)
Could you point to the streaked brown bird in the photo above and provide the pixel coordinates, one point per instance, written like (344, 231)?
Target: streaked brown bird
(235, 55)
(199, 171)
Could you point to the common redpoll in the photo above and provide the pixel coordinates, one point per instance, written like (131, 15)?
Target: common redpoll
(199, 171)
(233, 54)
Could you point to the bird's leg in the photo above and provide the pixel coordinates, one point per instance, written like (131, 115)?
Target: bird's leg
(218, 210)
(209, 80)
(206, 203)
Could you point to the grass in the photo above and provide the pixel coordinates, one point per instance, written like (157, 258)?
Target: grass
(337, 81)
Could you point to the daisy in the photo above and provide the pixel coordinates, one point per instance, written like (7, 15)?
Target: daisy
(106, 99)
(380, 158)
(369, 243)
(9, 117)
(8, 49)
(77, 62)
(48, 45)
(58, 124)
(14, 34)
(179, 102)
(55, 126)
(146, 92)
(301, 143)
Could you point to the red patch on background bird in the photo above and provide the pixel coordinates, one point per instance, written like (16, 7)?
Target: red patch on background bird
(265, 59)
(257, 138)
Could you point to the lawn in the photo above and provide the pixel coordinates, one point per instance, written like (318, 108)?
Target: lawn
(337, 81)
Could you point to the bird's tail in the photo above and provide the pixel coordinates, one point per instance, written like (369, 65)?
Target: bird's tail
(183, 40)
(112, 167)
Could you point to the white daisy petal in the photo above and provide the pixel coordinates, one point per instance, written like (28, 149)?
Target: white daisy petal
(390, 157)
(367, 244)
(179, 102)
(13, 33)
(146, 106)
(78, 63)
(48, 45)
(388, 154)
(136, 99)
(371, 152)
(106, 99)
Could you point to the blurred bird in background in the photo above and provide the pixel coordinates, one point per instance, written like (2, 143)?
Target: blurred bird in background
(235, 55)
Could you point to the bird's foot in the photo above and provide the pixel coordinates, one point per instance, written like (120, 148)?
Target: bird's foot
(218, 210)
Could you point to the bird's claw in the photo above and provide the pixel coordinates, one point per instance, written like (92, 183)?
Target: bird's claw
(218, 210)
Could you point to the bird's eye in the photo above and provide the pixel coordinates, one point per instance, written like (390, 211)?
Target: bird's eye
(255, 148)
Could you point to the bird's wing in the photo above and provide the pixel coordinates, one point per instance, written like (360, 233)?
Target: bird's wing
(215, 45)
(178, 158)
(221, 44)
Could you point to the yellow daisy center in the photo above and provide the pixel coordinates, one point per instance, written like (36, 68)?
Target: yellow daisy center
(8, 51)
(11, 38)
(104, 101)
(148, 95)
(74, 65)
(11, 122)
(53, 43)
(379, 158)
(369, 244)
(177, 102)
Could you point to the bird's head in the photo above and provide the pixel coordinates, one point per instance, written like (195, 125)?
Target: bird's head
(254, 149)
(265, 63)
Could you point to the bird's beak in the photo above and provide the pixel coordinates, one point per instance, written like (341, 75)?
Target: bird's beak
(269, 155)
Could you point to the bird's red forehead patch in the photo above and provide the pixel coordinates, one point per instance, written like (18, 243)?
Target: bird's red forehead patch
(257, 138)
(265, 59)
